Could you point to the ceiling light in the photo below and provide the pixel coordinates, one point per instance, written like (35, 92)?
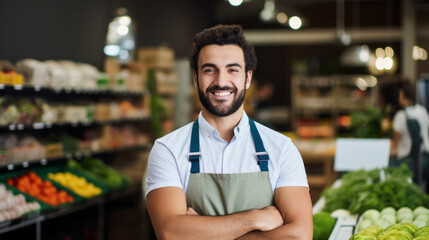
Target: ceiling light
(295, 22)
(282, 17)
(268, 12)
(235, 2)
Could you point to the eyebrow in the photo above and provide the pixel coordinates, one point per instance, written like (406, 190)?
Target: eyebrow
(214, 66)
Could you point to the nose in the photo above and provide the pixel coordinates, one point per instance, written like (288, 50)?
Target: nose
(222, 78)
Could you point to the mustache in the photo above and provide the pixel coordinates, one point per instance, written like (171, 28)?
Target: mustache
(217, 88)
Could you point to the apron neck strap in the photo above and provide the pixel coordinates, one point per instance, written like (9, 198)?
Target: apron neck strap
(194, 153)
(261, 154)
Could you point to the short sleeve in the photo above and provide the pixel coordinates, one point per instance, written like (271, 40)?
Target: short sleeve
(162, 170)
(292, 170)
(399, 122)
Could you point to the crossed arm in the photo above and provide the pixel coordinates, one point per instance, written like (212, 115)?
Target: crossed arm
(290, 219)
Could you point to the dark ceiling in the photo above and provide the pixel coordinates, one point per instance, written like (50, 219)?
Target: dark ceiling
(321, 13)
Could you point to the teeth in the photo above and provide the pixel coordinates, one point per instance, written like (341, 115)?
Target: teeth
(222, 93)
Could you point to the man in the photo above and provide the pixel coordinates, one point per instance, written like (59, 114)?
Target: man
(406, 148)
(224, 176)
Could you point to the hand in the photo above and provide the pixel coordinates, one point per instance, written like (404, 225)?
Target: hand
(191, 212)
(268, 219)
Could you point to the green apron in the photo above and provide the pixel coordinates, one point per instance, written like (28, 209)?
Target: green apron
(211, 194)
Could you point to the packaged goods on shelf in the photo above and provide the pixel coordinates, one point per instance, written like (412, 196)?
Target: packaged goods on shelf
(19, 148)
(8, 75)
(13, 206)
(156, 57)
(166, 82)
(58, 74)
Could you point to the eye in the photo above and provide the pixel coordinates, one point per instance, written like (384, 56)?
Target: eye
(208, 70)
(233, 70)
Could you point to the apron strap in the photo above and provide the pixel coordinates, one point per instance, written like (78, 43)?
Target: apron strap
(261, 153)
(195, 154)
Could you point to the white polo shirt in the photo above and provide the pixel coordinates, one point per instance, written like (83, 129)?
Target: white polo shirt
(415, 111)
(169, 166)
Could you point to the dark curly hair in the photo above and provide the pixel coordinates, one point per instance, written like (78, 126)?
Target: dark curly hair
(222, 35)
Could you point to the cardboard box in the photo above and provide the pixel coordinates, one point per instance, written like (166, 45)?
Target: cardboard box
(156, 57)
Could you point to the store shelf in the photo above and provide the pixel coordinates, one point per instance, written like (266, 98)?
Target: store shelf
(323, 99)
(16, 89)
(59, 212)
(76, 155)
(42, 125)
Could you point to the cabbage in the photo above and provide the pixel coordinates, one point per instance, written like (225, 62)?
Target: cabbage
(340, 213)
(405, 216)
(421, 231)
(372, 230)
(391, 218)
(383, 223)
(388, 210)
(408, 227)
(395, 235)
(422, 217)
(363, 237)
(421, 210)
(364, 224)
(371, 214)
(419, 224)
(404, 210)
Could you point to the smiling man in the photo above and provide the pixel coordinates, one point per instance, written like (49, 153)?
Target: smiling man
(225, 176)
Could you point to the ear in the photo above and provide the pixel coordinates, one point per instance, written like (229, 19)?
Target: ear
(194, 78)
(249, 79)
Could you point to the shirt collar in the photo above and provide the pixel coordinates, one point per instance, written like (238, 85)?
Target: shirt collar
(206, 128)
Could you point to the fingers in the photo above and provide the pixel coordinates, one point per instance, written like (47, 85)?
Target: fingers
(191, 211)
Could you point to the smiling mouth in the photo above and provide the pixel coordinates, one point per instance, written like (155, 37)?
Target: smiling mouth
(222, 93)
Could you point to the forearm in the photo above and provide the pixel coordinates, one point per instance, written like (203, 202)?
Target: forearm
(287, 231)
(207, 227)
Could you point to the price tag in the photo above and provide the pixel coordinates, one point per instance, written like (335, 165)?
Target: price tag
(17, 87)
(12, 127)
(10, 166)
(38, 125)
(37, 88)
(25, 164)
(1, 86)
(20, 126)
(43, 161)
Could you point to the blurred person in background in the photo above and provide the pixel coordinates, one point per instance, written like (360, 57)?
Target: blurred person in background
(411, 125)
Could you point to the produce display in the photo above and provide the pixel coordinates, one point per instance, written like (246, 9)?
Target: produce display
(323, 224)
(34, 185)
(77, 184)
(399, 231)
(390, 216)
(13, 206)
(363, 190)
(98, 169)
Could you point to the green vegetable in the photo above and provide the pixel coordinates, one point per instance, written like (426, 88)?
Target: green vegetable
(323, 224)
(363, 190)
(98, 169)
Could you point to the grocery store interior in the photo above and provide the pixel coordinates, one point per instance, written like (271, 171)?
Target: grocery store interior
(86, 87)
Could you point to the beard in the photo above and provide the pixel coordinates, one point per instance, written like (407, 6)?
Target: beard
(221, 111)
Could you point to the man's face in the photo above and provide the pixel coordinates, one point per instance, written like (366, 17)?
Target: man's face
(221, 79)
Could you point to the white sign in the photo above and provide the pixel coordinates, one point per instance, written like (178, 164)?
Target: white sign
(353, 154)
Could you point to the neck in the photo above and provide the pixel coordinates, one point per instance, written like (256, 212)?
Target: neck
(224, 125)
